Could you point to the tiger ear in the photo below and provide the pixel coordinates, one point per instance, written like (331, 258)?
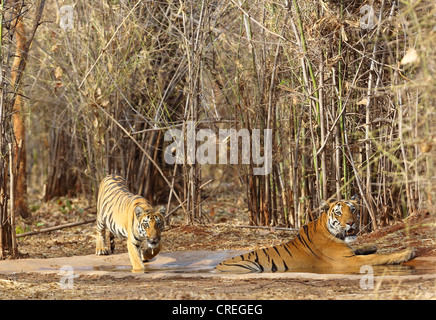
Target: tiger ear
(162, 225)
(324, 205)
(138, 211)
(355, 197)
(162, 210)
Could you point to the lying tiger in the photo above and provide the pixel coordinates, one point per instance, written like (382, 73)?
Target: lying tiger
(321, 244)
(128, 216)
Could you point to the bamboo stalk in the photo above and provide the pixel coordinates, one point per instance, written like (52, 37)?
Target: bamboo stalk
(322, 113)
(368, 152)
(14, 249)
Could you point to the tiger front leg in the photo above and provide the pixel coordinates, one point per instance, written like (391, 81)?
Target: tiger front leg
(135, 256)
(364, 250)
(101, 247)
(384, 259)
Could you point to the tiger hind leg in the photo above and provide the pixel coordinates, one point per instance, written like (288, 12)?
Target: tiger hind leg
(112, 242)
(239, 266)
(100, 244)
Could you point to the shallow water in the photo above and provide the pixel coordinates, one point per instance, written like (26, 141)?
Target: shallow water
(202, 262)
(393, 270)
(155, 269)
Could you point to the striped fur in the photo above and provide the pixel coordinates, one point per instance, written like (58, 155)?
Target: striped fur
(128, 216)
(319, 244)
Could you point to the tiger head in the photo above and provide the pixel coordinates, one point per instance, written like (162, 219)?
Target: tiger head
(150, 225)
(343, 219)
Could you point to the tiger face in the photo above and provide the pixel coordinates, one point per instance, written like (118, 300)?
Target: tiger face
(150, 226)
(343, 220)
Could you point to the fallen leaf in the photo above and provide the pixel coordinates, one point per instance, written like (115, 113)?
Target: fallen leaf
(363, 102)
(411, 56)
(58, 73)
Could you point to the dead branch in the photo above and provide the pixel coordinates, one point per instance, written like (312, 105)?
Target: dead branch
(62, 226)
(267, 227)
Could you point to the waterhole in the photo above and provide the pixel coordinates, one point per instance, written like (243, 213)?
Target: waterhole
(195, 262)
(419, 267)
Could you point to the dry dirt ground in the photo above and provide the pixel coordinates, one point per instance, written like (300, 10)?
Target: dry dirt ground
(220, 232)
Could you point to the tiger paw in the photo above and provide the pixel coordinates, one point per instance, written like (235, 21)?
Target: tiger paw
(102, 252)
(408, 254)
(403, 256)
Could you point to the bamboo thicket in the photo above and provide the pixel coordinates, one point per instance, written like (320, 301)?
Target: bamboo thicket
(346, 88)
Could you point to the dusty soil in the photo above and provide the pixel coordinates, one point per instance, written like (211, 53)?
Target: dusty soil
(37, 286)
(220, 232)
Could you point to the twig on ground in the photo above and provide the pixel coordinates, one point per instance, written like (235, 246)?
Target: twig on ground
(62, 226)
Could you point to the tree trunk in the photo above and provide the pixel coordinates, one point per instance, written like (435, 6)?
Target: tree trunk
(19, 128)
